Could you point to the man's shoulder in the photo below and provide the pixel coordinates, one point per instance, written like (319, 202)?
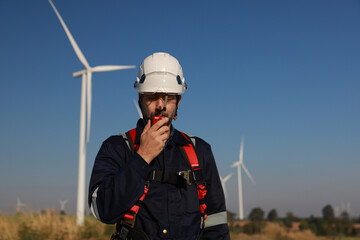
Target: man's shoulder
(197, 141)
(114, 139)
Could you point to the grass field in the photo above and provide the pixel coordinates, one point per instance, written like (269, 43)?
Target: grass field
(50, 226)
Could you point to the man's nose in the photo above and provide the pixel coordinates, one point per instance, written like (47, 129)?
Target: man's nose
(160, 103)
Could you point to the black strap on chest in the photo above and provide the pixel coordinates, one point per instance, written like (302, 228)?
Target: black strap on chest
(179, 179)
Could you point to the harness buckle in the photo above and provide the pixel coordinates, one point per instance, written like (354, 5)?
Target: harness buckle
(115, 236)
(186, 176)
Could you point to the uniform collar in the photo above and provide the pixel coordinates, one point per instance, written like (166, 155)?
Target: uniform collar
(176, 136)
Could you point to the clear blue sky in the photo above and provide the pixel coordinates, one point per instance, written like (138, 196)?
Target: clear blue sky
(283, 74)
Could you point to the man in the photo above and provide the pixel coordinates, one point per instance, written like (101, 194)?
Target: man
(146, 182)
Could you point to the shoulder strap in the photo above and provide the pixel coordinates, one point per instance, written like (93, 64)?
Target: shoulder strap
(126, 138)
(129, 138)
(190, 153)
(191, 157)
(131, 134)
(128, 221)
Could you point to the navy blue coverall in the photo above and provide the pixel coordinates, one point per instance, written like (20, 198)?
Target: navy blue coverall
(118, 178)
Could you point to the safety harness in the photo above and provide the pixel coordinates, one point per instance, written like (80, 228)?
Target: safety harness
(125, 228)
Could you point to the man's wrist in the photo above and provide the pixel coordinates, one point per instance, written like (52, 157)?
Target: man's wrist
(144, 156)
(140, 165)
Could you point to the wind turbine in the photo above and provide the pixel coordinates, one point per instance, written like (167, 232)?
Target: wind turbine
(62, 204)
(19, 205)
(85, 113)
(348, 208)
(138, 108)
(223, 182)
(336, 211)
(240, 164)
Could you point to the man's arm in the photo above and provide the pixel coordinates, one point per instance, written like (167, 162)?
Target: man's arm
(117, 180)
(118, 176)
(216, 227)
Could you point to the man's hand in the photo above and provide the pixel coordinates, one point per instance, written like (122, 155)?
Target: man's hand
(153, 139)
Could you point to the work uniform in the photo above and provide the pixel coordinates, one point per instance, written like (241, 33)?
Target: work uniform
(168, 211)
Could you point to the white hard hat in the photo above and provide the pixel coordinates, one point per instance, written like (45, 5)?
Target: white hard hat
(160, 73)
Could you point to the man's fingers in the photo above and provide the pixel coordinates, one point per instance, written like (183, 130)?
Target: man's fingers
(164, 133)
(147, 126)
(164, 137)
(163, 130)
(161, 122)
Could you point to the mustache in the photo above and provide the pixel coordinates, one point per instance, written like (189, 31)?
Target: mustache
(159, 112)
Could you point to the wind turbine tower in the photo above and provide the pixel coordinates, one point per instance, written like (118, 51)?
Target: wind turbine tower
(19, 205)
(223, 182)
(348, 208)
(240, 164)
(336, 211)
(85, 113)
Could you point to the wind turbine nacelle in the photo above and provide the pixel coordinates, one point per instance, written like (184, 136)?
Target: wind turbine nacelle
(236, 164)
(78, 74)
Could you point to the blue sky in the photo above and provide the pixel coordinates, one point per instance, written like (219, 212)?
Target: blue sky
(283, 74)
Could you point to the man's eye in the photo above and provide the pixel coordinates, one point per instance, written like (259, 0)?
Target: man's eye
(151, 97)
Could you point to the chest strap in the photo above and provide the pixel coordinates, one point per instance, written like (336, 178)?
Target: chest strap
(179, 179)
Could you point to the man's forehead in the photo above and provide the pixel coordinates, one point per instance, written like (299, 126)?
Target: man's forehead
(159, 94)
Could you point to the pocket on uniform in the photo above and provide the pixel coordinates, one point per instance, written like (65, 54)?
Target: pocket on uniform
(191, 199)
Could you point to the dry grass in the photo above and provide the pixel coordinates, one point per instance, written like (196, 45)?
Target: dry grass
(274, 231)
(49, 226)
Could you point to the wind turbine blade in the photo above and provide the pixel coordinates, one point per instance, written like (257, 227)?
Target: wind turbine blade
(88, 104)
(248, 173)
(106, 68)
(227, 177)
(138, 108)
(71, 39)
(241, 154)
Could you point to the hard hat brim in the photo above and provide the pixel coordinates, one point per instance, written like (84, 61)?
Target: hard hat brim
(161, 83)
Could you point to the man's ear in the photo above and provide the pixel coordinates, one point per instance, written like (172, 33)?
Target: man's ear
(178, 101)
(139, 101)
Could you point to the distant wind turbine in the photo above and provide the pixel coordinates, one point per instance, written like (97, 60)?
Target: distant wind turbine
(138, 108)
(336, 211)
(240, 164)
(19, 205)
(348, 208)
(223, 182)
(62, 204)
(84, 119)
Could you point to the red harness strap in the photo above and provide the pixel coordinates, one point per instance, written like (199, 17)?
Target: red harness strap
(132, 133)
(130, 216)
(135, 209)
(194, 162)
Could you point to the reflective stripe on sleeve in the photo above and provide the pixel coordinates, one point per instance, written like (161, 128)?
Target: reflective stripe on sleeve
(93, 206)
(216, 219)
